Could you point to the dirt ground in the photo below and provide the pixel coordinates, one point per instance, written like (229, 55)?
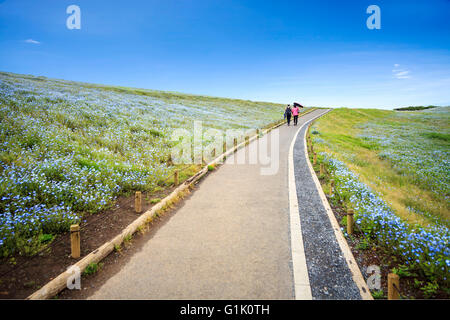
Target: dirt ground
(20, 276)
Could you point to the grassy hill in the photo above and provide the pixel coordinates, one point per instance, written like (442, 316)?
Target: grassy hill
(68, 148)
(403, 156)
(393, 168)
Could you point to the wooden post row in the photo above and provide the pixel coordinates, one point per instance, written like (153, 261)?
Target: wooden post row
(315, 158)
(75, 241)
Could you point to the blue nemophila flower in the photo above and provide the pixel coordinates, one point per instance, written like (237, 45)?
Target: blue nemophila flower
(425, 246)
(79, 148)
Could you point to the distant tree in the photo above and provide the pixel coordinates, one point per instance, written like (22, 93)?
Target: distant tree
(414, 108)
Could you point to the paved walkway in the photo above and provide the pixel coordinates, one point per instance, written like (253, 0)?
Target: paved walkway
(230, 240)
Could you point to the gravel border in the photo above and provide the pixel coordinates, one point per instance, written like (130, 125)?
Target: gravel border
(329, 274)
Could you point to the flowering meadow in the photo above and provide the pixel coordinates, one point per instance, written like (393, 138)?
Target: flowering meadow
(393, 168)
(417, 145)
(423, 248)
(68, 149)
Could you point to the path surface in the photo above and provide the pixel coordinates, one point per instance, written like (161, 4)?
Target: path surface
(230, 240)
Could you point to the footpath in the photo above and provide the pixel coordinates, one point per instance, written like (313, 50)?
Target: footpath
(231, 239)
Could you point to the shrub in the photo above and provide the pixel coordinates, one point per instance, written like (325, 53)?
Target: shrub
(92, 268)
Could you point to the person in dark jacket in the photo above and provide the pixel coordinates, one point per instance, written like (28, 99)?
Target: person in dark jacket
(287, 114)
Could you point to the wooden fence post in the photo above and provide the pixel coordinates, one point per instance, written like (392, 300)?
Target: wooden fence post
(75, 241)
(322, 170)
(138, 202)
(214, 153)
(175, 178)
(224, 147)
(393, 286)
(315, 158)
(331, 186)
(350, 221)
(235, 142)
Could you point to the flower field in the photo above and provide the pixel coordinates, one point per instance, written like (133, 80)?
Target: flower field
(69, 149)
(416, 144)
(423, 248)
(392, 168)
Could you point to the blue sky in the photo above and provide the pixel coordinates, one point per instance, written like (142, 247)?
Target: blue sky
(315, 52)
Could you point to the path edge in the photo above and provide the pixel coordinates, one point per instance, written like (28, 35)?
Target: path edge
(348, 255)
(302, 286)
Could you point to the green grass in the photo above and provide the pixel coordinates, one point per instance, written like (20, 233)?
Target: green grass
(46, 238)
(378, 294)
(440, 137)
(402, 161)
(92, 268)
(402, 156)
(155, 200)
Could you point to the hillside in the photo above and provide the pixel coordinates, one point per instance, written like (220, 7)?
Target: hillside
(404, 156)
(392, 168)
(68, 148)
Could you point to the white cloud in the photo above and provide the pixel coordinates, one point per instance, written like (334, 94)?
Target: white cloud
(400, 73)
(32, 41)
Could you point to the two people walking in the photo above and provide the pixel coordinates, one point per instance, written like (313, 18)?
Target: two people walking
(289, 112)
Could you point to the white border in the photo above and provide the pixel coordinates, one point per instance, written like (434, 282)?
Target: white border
(302, 286)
